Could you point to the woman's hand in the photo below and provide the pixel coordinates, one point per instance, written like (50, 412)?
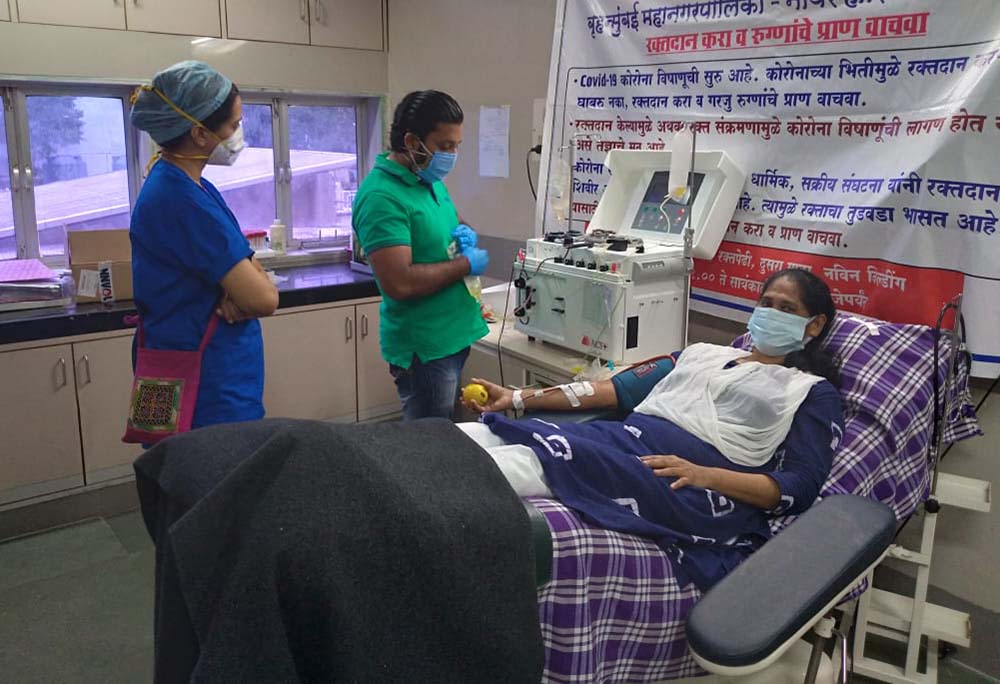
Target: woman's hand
(687, 473)
(500, 398)
(230, 312)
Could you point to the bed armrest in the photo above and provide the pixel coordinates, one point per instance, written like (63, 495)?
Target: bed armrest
(746, 621)
(541, 540)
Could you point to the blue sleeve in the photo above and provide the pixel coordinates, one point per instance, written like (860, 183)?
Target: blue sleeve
(228, 242)
(803, 460)
(632, 385)
(204, 237)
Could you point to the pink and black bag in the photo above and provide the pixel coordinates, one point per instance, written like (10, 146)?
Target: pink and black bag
(165, 389)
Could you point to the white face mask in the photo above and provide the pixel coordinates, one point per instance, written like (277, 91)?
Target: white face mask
(227, 151)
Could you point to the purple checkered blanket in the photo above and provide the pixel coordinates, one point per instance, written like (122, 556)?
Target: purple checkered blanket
(614, 611)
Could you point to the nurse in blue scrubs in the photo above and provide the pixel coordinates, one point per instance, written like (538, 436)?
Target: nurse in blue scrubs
(189, 256)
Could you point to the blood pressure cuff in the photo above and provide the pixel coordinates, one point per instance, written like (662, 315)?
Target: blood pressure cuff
(632, 385)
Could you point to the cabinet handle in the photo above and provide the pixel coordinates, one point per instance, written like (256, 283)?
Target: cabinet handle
(320, 12)
(28, 183)
(84, 377)
(364, 325)
(303, 10)
(349, 328)
(61, 380)
(15, 180)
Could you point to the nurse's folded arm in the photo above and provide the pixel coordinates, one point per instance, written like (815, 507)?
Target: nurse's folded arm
(402, 279)
(249, 288)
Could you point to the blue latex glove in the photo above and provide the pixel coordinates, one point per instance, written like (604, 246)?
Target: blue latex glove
(465, 236)
(478, 259)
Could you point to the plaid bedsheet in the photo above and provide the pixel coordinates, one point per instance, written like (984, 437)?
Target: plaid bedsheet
(614, 612)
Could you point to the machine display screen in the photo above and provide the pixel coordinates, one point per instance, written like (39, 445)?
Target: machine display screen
(650, 218)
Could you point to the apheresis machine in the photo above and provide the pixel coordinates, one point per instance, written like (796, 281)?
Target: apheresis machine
(619, 291)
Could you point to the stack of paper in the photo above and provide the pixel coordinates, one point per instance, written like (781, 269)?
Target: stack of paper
(29, 284)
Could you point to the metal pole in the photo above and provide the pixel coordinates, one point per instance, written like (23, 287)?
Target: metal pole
(815, 658)
(689, 241)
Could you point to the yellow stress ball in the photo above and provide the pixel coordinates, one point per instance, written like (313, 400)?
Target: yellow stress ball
(474, 393)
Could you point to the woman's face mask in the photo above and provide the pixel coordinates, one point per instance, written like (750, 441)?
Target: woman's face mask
(440, 165)
(228, 150)
(777, 333)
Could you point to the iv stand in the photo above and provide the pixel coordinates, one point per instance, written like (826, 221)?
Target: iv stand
(572, 170)
(688, 236)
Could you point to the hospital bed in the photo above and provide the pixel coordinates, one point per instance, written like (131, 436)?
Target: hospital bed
(613, 610)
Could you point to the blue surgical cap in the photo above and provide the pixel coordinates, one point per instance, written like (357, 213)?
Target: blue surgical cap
(194, 87)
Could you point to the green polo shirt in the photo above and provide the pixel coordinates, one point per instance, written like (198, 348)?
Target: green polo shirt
(394, 207)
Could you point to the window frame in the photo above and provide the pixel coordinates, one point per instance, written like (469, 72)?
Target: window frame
(283, 171)
(14, 92)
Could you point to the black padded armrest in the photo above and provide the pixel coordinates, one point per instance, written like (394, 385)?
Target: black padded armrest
(784, 586)
(541, 540)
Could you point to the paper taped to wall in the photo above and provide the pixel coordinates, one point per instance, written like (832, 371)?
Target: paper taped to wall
(494, 141)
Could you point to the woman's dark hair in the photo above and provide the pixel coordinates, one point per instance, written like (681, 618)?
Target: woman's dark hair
(815, 296)
(213, 121)
(419, 113)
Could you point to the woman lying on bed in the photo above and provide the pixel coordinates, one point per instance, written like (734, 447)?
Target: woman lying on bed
(715, 441)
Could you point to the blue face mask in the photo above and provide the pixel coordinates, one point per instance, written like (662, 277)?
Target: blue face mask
(440, 165)
(777, 333)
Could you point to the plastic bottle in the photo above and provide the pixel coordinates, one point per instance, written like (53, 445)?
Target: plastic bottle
(472, 282)
(279, 237)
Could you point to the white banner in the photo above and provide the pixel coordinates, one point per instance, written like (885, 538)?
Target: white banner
(869, 130)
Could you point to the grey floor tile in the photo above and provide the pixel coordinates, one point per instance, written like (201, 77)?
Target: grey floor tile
(91, 625)
(984, 654)
(131, 531)
(57, 552)
(954, 672)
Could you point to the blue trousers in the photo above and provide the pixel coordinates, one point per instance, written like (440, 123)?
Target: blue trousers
(429, 389)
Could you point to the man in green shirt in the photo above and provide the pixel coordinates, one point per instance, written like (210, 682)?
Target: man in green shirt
(409, 230)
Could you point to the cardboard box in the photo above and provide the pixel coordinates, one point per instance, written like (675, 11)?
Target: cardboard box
(101, 262)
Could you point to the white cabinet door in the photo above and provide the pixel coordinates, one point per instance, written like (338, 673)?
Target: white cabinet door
(309, 365)
(377, 395)
(347, 23)
(277, 21)
(4, 11)
(184, 17)
(39, 430)
(103, 387)
(90, 13)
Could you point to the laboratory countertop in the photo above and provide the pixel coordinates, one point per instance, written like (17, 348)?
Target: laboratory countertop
(305, 285)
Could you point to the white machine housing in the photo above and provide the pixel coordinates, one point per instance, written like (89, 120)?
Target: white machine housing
(627, 306)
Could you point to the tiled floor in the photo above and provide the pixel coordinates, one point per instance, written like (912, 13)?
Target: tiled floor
(76, 605)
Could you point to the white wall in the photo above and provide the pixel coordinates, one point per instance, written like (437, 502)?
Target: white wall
(482, 52)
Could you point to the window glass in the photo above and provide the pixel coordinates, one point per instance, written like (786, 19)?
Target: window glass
(248, 185)
(324, 158)
(78, 165)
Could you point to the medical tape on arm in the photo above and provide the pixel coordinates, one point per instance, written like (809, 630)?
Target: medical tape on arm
(575, 390)
(518, 402)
